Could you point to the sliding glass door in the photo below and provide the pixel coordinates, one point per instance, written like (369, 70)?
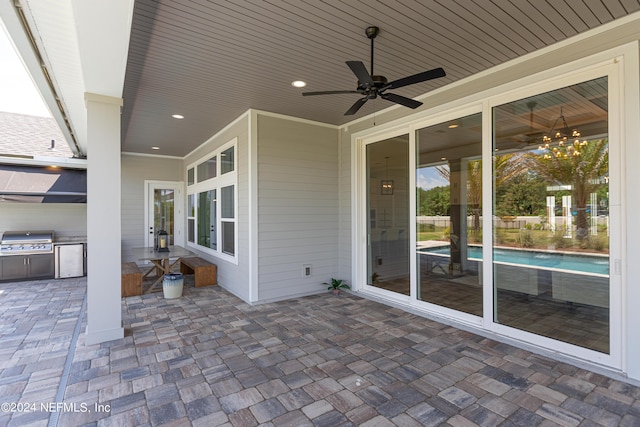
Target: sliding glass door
(448, 214)
(551, 215)
(388, 195)
(512, 221)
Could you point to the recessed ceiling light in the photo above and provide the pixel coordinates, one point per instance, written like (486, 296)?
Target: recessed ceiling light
(178, 116)
(443, 158)
(155, 148)
(453, 126)
(298, 83)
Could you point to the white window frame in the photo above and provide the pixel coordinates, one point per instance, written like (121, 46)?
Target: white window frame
(612, 71)
(216, 183)
(608, 63)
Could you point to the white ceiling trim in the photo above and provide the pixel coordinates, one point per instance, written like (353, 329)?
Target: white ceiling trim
(13, 27)
(84, 47)
(51, 24)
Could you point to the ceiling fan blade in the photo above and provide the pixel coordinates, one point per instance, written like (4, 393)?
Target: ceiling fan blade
(355, 107)
(329, 92)
(361, 72)
(402, 100)
(416, 78)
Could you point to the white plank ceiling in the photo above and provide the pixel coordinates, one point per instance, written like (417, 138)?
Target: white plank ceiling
(212, 60)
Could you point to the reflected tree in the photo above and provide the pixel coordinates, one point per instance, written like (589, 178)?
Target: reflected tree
(583, 165)
(506, 167)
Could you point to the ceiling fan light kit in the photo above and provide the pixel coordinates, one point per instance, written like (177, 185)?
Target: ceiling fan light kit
(371, 86)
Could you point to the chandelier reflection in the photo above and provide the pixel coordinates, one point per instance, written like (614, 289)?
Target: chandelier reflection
(559, 145)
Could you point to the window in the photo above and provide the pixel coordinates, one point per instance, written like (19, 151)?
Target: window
(227, 159)
(228, 220)
(191, 213)
(207, 219)
(212, 203)
(207, 169)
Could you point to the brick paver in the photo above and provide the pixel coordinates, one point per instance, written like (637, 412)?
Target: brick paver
(209, 359)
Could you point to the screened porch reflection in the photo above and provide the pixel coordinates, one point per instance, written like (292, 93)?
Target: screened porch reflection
(449, 208)
(551, 153)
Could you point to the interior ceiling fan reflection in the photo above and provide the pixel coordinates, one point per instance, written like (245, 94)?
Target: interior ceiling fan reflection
(372, 86)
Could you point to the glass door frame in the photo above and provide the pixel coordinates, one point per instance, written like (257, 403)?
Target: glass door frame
(605, 64)
(448, 115)
(361, 215)
(178, 215)
(613, 71)
(362, 253)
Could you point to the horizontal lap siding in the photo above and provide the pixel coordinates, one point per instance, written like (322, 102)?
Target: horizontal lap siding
(65, 219)
(297, 207)
(135, 170)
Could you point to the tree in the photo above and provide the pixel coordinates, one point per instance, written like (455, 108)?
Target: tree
(434, 201)
(524, 194)
(582, 165)
(505, 167)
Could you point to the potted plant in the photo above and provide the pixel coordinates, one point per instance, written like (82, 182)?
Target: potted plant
(336, 285)
(374, 278)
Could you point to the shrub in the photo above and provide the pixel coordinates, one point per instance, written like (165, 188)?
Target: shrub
(446, 234)
(476, 236)
(526, 238)
(426, 227)
(559, 241)
(598, 243)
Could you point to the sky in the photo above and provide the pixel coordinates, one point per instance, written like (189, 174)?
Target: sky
(17, 91)
(428, 178)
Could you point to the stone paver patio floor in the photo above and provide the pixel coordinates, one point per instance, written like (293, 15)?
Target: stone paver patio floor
(209, 359)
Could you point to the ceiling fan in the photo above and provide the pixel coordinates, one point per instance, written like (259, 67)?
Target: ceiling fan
(372, 86)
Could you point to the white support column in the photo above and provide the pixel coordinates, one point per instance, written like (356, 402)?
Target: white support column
(594, 213)
(551, 213)
(567, 217)
(104, 311)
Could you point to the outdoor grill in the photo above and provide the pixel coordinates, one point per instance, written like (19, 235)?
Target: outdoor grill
(26, 243)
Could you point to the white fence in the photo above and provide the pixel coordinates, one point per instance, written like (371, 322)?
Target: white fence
(504, 222)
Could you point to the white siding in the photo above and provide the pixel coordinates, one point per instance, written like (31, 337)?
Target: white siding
(135, 170)
(297, 207)
(65, 219)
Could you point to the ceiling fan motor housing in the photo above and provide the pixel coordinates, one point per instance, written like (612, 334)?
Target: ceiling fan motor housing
(378, 82)
(372, 32)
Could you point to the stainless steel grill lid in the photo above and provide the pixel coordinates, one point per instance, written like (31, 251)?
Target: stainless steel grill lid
(27, 237)
(26, 242)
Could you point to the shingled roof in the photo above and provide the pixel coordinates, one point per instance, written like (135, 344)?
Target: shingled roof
(23, 135)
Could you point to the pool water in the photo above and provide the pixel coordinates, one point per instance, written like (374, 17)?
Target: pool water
(543, 260)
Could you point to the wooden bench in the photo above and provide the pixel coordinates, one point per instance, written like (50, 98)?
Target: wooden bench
(131, 279)
(205, 273)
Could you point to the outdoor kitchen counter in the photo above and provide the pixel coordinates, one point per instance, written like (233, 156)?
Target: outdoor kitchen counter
(63, 240)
